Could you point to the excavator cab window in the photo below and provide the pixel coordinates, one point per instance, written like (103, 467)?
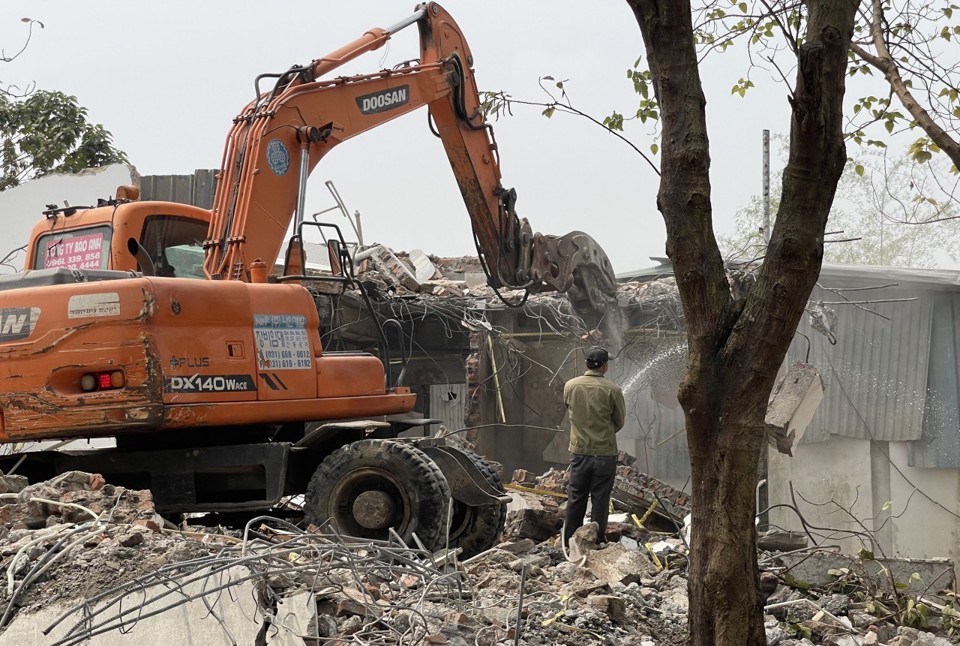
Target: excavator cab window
(86, 248)
(174, 244)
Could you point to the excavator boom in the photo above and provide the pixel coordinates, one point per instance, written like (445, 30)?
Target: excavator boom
(281, 136)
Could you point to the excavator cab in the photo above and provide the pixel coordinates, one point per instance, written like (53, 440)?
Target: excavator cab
(99, 238)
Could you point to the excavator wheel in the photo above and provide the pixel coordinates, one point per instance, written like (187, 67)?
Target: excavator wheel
(476, 529)
(369, 486)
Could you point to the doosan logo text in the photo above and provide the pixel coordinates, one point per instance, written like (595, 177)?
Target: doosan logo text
(383, 100)
(17, 322)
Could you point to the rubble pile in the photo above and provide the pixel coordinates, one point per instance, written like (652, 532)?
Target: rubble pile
(415, 273)
(841, 604)
(104, 555)
(634, 493)
(74, 536)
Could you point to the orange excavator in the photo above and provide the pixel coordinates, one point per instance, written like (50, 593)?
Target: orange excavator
(163, 325)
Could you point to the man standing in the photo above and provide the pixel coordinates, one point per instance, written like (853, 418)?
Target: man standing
(597, 412)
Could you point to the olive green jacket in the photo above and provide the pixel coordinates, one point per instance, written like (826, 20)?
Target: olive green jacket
(597, 412)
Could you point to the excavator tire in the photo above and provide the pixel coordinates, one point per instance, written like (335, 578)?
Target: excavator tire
(369, 486)
(477, 529)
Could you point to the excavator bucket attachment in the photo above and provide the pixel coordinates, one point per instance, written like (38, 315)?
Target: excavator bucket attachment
(576, 265)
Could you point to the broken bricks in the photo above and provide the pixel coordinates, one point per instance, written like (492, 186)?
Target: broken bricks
(366, 593)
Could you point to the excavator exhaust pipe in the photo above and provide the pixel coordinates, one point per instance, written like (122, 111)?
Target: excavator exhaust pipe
(143, 258)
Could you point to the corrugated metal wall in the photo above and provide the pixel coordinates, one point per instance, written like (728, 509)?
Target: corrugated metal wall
(197, 189)
(940, 444)
(876, 374)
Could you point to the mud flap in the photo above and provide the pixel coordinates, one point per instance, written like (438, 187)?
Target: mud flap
(467, 484)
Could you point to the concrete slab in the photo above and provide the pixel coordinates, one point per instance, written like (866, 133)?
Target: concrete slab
(296, 616)
(934, 574)
(424, 268)
(792, 405)
(190, 623)
(393, 269)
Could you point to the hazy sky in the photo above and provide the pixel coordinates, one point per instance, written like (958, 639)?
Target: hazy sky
(166, 78)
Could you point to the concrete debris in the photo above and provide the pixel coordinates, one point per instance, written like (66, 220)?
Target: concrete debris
(535, 524)
(416, 275)
(779, 540)
(661, 506)
(394, 270)
(423, 268)
(910, 576)
(913, 637)
(792, 404)
(84, 569)
(615, 564)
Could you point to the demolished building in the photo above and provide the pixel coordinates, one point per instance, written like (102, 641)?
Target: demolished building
(884, 443)
(90, 563)
(491, 367)
(882, 449)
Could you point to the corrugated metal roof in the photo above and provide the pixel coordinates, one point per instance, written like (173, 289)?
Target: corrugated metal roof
(828, 271)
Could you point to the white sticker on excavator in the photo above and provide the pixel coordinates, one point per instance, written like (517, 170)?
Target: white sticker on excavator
(282, 342)
(84, 306)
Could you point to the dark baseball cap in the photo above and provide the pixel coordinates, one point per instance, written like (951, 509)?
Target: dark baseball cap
(596, 356)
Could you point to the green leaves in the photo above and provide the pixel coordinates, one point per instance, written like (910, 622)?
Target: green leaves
(641, 80)
(915, 615)
(922, 150)
(614, 122)
(647, 109)
(741, 87)
(47, 132)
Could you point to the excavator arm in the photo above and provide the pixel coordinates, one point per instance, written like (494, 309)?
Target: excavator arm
(280, 137)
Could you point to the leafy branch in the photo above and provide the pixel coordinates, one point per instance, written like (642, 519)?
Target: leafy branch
(497, 104)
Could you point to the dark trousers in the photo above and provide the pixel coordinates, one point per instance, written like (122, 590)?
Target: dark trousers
(593, 476)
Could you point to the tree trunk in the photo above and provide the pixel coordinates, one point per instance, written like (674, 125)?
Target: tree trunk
(723, 573)
(735, 347)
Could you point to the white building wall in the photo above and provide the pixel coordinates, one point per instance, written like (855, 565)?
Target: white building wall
(22, 207)
(874, 486)
(921, 526)
(837, 470)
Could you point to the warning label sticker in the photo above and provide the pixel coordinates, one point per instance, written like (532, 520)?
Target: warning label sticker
(282, 342)
(84, 306)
